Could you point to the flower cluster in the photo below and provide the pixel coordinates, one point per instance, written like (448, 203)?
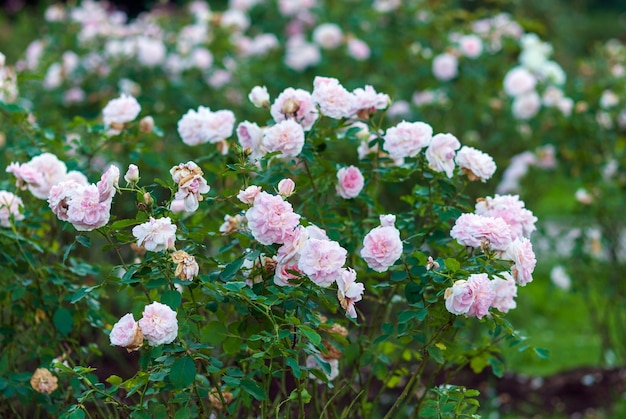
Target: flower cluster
(158, 325)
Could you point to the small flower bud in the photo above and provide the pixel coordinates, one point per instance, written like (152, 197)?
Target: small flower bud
(286, 187)
(147, 199)
(132, 174)
(259, 97)
(432, 264)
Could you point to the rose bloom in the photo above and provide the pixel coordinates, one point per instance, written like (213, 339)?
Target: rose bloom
(285, 273)
(366, 101)
(332, 98)
(519, 81)
(350, 182)
(349, 291)
(270, 219)
(484, 295)
(250, 137)
(198, 127)
(43, 381)
(191, 185)
(108, 182)
(512, 210)
(322, 260)
(460, 297)
(248, 195)
(259, 96)
(86, 209)
(294, 243)
(521, 253)
(476, 164)
(159, 324)
(358, 49)
(445, 67)
(187, 268)
(407, 139)
(156, 234)
(441, 152)
(526, 106)
(296, 104)
(40, 174)
(382, 247)
(286, 136)
(300, 54)
(10, 205)
(505, 291)
(328, 35)
(126, 333)
(121, 110)
(471, 46)
(476, 231)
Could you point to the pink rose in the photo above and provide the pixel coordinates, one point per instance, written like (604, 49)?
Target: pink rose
(198, 127)
(350, 182)
(159, 324)
(459, 297)
(483, 295)
(248, 195)
(407, 139)
(349, 291)
(40, 174)
(445, 67)
(505, 291)
(367, 101)
(358, 49)
(287, 137)
(259, 97)
(471, 46)
(250, 137)
(156, 234)
(271, 219)
(477, 231)
(519, 81)
(440, 153)
(512, 210)
(476, 164)
(10, 205)
(132, 174)
(295, 104)
(521, 253)
(126, 333)
(321, 261)
(382, 247)
(121, 110)
(332, 98)
(108, 182)
(285, 273)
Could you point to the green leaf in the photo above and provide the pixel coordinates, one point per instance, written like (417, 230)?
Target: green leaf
(436, 353)
(231, 269)
(452, 264)
(183, 413)
(542, 353)
(172, 298)
(63, 321)
(77, 414)
(114, 380)
(293, 364)
(478, 364)
(214, 332)
(311, 335)
(413, 292)
(128, 276)
(81, 293)
(159, 411)
(84, 241)
(253, 389)
(183, 372)
(140, 414)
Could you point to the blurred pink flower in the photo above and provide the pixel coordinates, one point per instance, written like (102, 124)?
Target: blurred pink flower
(358, 49)
(445, 66)
(519, 81)
(328, 35)
(10, 205)
(159, 324)
(512, 210)
(121, 110)
(40, 174)
(350, 182)
(204, 125)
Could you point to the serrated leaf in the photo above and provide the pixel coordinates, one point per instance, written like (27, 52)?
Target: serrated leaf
(63, 321)
(183, 372)
(253, 389)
